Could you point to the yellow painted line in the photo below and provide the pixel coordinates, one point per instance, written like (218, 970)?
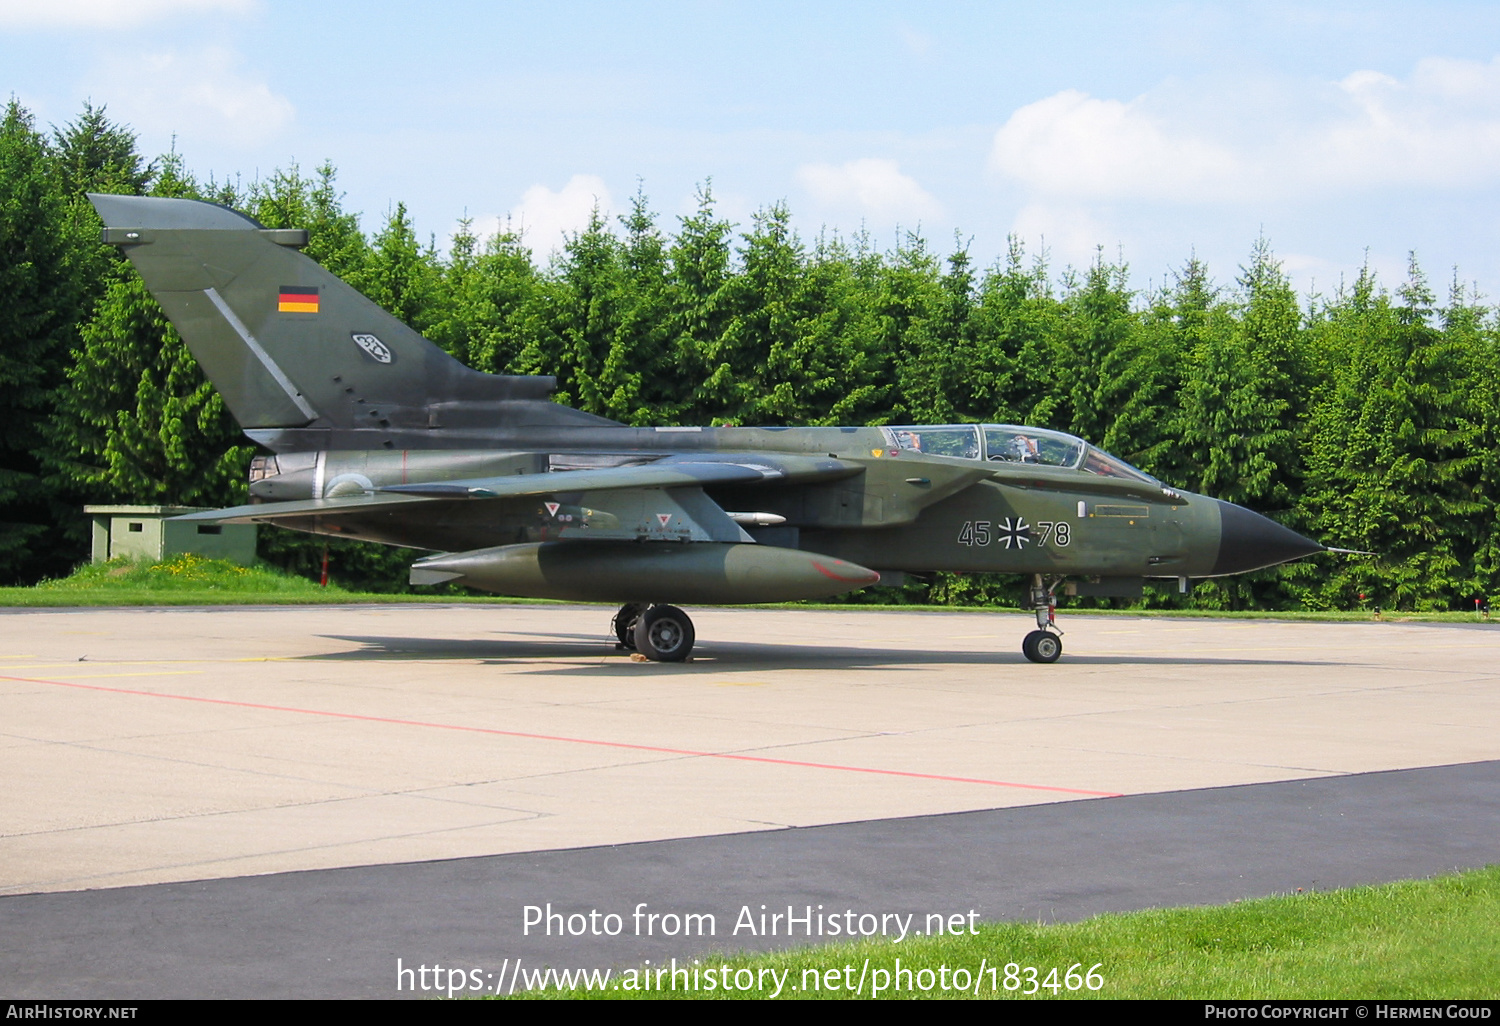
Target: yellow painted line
(141, 662)
(1267, 649)
(76, 662)
(163, 673)
(97, 662)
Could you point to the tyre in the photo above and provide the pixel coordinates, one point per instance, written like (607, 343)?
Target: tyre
(1042, 647)
(665, 634)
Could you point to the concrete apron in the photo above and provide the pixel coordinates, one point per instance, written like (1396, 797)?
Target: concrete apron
(153, 745)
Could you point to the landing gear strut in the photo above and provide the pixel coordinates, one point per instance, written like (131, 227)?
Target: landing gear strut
(661, 633)
(623, 625)
(1044, 644)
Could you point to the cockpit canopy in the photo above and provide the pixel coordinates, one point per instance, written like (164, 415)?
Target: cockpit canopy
(1008, 443)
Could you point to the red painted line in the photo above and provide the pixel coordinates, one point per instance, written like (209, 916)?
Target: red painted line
(570, 740)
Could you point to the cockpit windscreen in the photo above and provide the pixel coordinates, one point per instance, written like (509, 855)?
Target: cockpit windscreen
(959, 440)
(1010, 443)
(1006, 443)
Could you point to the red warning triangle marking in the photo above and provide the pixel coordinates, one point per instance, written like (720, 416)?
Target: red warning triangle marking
(663, 518)
(552, 507)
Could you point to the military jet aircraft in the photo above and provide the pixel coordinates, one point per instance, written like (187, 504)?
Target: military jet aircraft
(376, 434)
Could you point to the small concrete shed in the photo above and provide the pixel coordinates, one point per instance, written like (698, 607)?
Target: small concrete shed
(147, 532)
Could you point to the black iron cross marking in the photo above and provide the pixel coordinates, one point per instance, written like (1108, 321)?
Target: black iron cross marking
(1014, 533)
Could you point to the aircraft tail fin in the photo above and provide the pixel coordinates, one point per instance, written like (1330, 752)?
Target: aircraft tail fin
(298, 354)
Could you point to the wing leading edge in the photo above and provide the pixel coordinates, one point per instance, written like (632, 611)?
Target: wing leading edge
(672, 473)
(663, 500)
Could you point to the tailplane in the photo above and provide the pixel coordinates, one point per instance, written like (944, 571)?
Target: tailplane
(301, 358)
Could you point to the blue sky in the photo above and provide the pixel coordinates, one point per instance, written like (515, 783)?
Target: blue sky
(1155, 130)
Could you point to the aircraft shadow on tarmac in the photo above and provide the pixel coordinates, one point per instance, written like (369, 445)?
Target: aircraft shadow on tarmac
(718, 656)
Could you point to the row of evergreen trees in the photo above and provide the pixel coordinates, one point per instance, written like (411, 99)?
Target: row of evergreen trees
(1369, 419)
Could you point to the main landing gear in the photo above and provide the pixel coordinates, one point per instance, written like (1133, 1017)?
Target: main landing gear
(665, 634)
(1044, 644)
(662, 634)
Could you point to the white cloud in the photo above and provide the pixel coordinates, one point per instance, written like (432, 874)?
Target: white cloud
(201, 95)
(1074, 145)
(545, 218)
(1439, 127)
(873, 188)
(107, 14)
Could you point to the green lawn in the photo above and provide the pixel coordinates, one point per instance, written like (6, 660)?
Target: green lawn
(1437, 939)
(195, 581)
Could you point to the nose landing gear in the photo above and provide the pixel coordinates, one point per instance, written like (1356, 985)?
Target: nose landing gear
(1044, 644)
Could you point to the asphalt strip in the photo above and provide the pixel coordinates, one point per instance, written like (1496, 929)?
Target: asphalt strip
(340, 932)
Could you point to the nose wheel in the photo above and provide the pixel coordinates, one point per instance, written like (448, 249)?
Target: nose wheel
(1041, 647)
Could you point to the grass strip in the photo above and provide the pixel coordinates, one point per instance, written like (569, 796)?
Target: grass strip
(191, 580)
(1420, 939)
(44, 597)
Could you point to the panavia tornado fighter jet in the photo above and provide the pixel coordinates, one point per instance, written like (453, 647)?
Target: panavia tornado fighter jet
(376, 434)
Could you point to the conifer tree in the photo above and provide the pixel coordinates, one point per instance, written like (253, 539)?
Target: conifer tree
(288, 200)
(398, 273)
(488, 312)
(1149, 367)
(1016, 330)
(912, 299)
(1241, 400)
(39, 278)
(1395, 459)
(641, 366)
(1098, 323)
(837, 371)
(1472, 329)
(587, 316)
(698, 310)
(96, 155)
(138, 422)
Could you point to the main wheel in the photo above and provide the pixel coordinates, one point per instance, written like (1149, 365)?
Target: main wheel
(1042, 647)
(665, 634)
(624, 624)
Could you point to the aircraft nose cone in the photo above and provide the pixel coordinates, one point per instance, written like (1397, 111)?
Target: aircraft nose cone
(1249, 541)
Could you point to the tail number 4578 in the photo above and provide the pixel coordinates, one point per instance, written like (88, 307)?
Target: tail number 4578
(1015, 533)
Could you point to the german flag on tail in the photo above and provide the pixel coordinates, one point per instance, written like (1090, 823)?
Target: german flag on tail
(297, 299)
